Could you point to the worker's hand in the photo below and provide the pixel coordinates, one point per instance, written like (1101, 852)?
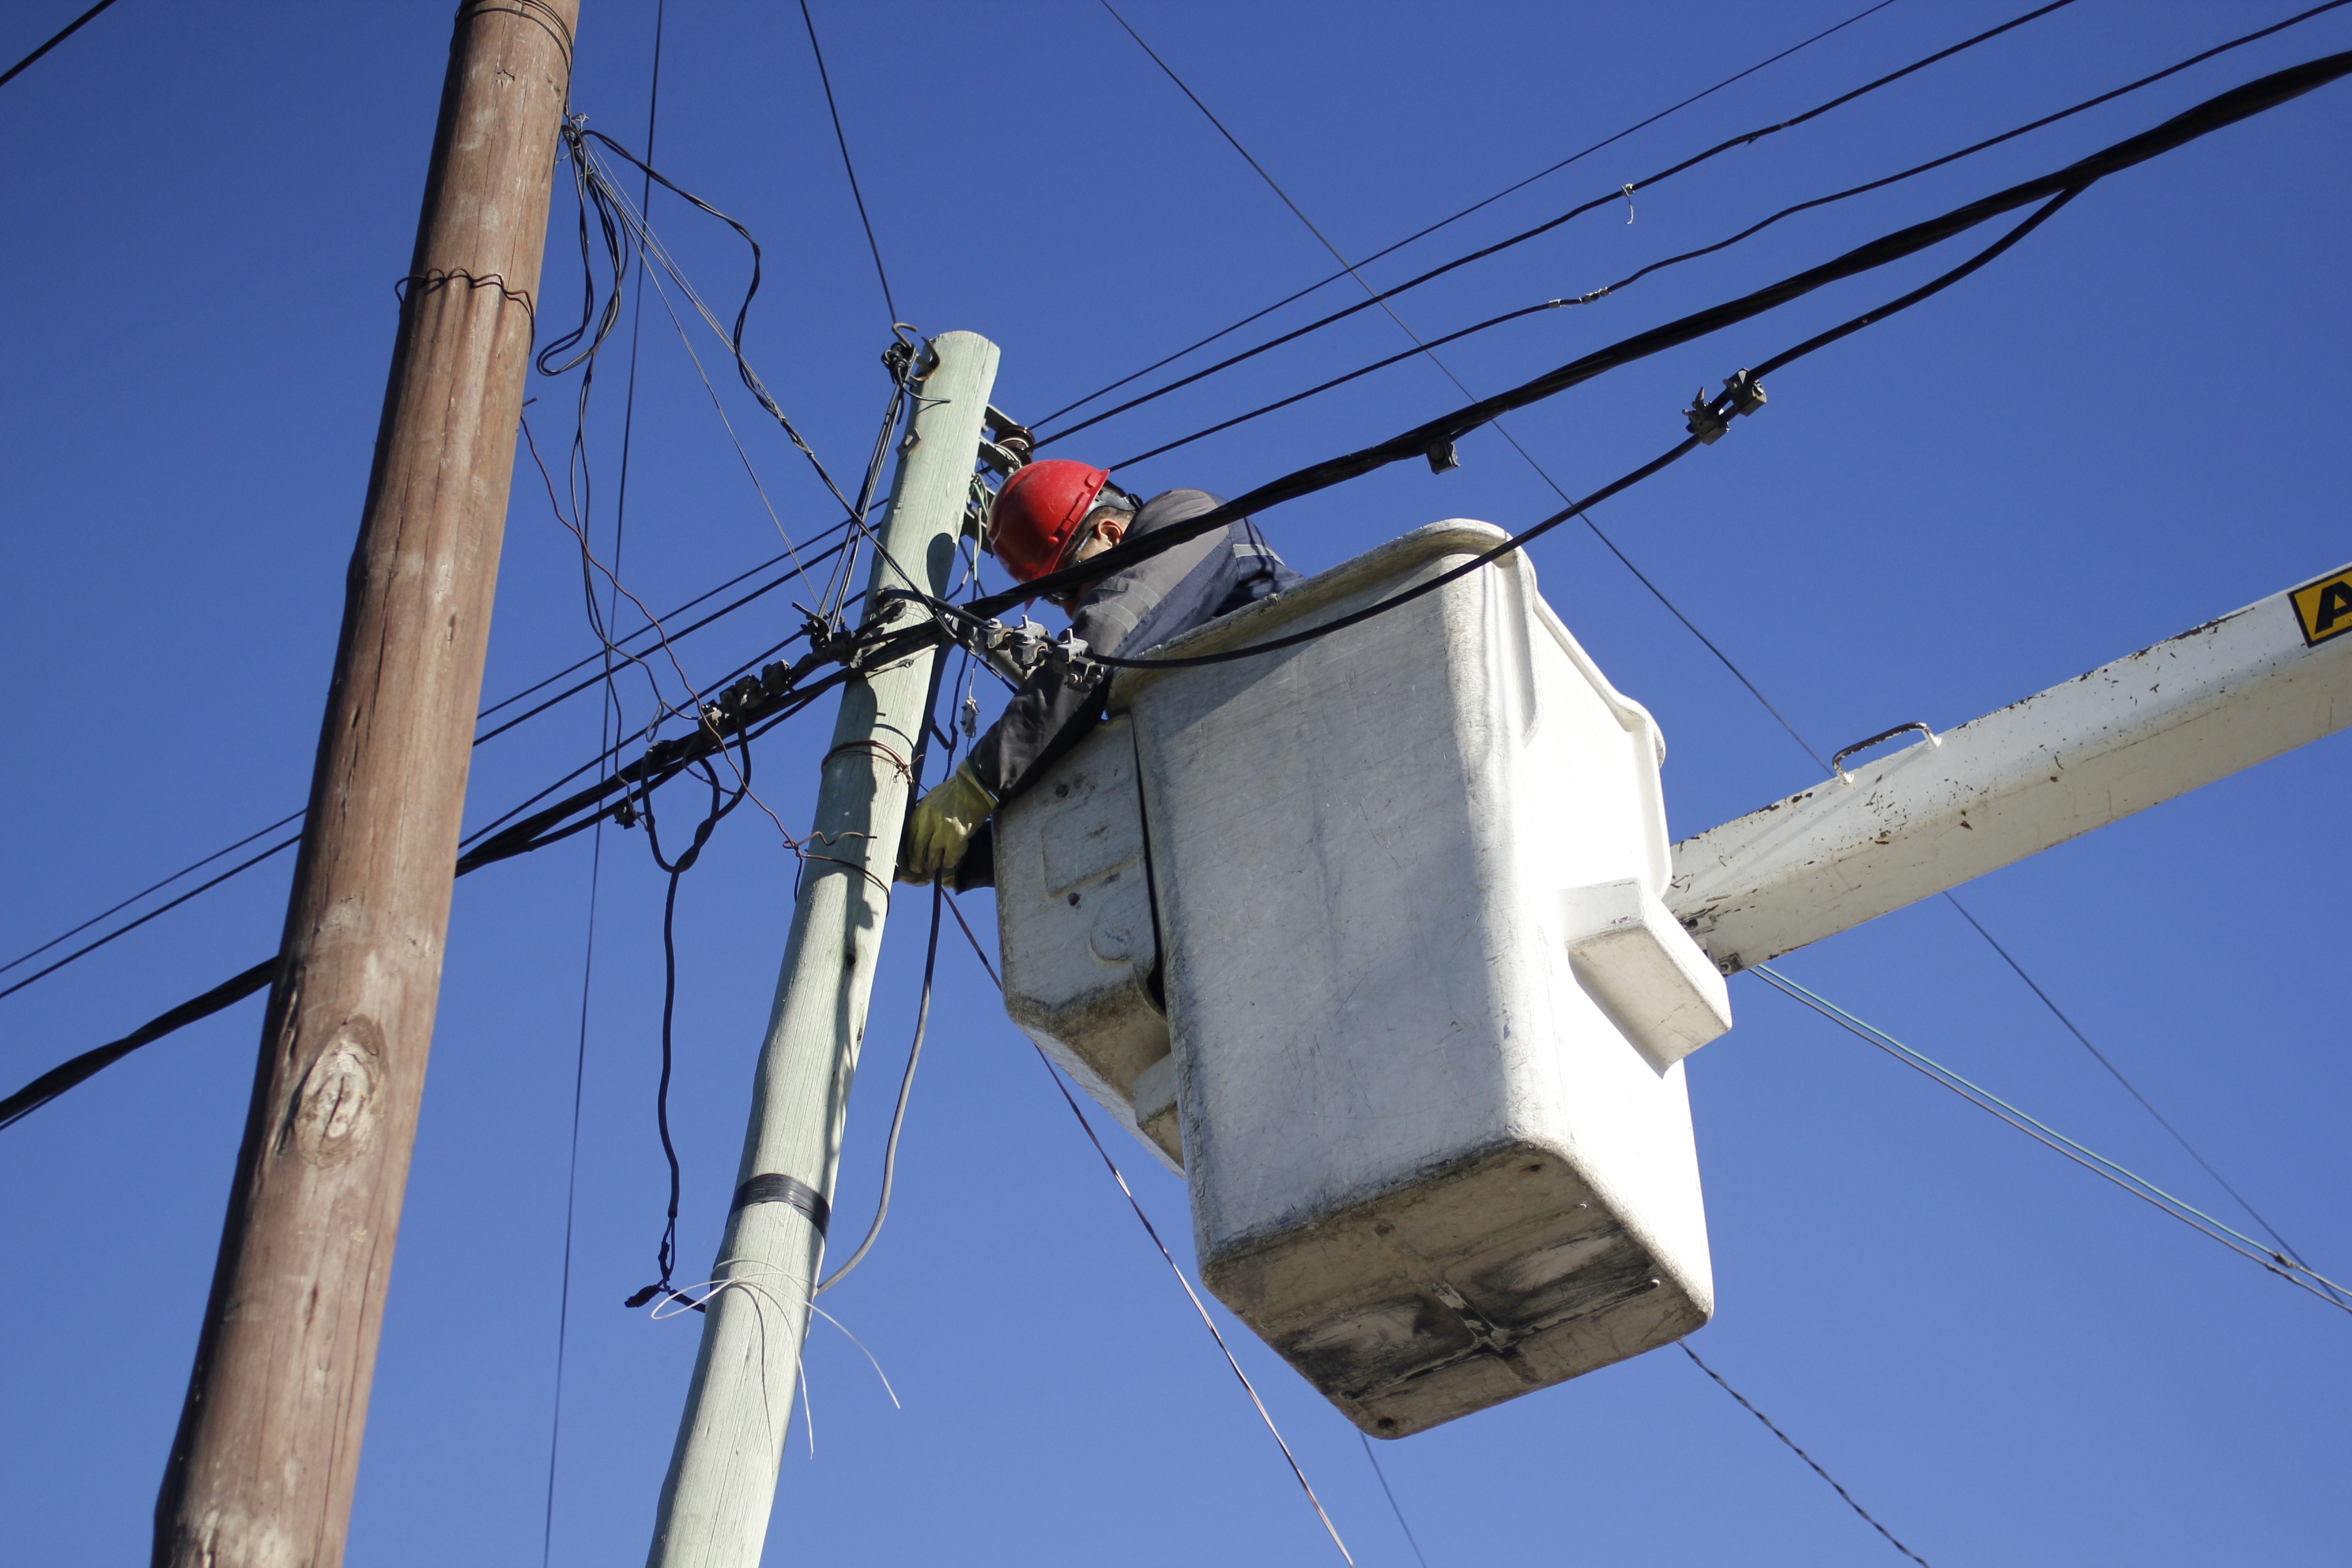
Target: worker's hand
(943, 825)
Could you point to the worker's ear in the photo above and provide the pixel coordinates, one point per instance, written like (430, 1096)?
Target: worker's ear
(1113, 528)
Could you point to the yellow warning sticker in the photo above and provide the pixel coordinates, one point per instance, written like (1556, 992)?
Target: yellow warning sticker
(2324, 609)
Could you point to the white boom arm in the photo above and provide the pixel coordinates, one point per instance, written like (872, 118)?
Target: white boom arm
(2129, 736)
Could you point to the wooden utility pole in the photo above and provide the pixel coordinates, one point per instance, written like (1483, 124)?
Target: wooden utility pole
(262, 1470)
(722, 1474)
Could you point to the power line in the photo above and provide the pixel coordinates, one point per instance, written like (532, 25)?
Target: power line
(1610, 290)
(1733, 401)
(1611, 199)
(1394, 1507)
(1168, 1258)
(1434, 435)
(2132, 1088)
(2294, 1272)
(1526, 456)
(1810, 1460)
(1475, 206)
(70, 29)
(841, 137)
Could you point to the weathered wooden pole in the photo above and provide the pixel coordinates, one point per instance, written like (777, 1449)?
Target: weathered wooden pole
(267, 1451)
(730, 1442)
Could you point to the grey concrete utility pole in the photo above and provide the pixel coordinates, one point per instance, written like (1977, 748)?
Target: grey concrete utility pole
(722, 1475)
(262, 1468)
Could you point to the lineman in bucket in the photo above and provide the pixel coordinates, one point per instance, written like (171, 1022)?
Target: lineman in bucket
(1047, 516)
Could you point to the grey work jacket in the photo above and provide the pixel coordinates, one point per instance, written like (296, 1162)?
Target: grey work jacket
(1156, 599)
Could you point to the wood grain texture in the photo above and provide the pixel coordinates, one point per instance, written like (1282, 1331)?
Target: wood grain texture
(262, 1470)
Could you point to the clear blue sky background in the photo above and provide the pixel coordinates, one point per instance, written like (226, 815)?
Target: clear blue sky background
(2129, 425)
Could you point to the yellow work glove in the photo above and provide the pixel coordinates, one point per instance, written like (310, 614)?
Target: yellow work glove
(943, 825)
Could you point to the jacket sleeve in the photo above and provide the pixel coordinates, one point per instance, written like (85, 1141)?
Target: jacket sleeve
(1045, 718)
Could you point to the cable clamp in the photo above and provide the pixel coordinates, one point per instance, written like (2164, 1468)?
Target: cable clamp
(1442, 455)
(1066, 657)
(1710, 418)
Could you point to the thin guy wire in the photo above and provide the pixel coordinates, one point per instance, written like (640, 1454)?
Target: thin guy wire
(1466, 212)
(2101, 1058)
(1411, 1540)
(2139, 1186)
(1809, 1460)
(609, 717)
(842, 138)
(1152, 1231)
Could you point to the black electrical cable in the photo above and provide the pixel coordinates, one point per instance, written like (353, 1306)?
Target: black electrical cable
(1466, 212)
(660, 765)
(151, 888)
(1614, 196)
(1810, 1460)
(71, 27)
(1608, 289)
(1722, 408)
(842, 138)
(722, 802)
(2213, 114)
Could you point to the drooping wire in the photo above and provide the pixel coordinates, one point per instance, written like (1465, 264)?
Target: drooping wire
(1609, 200)
(842, 138)
(1466, 212)
(1168, 1258)
(722, 802)
(2298, 1274)
(1791, 1445)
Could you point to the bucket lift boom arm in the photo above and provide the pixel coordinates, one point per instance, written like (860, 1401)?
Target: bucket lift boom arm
(2129, 736)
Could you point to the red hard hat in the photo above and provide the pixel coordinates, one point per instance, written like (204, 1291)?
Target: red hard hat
(1037, 511)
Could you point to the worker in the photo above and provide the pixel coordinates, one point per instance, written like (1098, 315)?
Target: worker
(1047, 516)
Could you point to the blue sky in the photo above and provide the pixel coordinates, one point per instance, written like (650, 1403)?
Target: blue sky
(2120, 430)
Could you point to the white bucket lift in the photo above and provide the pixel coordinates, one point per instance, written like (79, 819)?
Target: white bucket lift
(1419, 1053)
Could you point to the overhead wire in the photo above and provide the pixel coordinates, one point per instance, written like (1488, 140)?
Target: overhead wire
(1611, 289)
(1475, 206)
(1611, 199)
(2298, 1274)
(1087, 1126)
(2213, 114)
(2129, 1088)
(589, 684)
(842, 138)
(1773, 1427)
(70, 29)
(609, 718)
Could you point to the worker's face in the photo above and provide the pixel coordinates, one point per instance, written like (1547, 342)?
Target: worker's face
(1103, 530)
